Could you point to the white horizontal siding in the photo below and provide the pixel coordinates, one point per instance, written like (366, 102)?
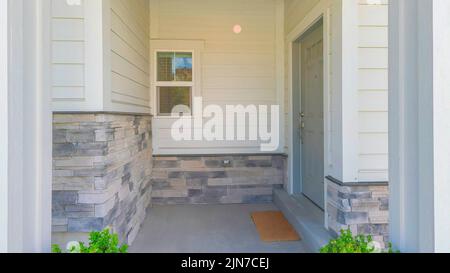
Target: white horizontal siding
(235, 69)
(130, 49)
(68, 75)
(68, 51)
(373, 91)
(233, 66)
(295, 11)
(373, 58)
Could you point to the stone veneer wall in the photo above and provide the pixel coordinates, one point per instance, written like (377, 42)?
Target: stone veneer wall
(101, 166)
(217, 179)
(362, 208)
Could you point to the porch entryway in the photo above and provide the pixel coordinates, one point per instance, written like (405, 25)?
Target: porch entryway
(210, 228)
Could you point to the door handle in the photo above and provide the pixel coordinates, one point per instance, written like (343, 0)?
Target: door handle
(302, 126)
(301, 122)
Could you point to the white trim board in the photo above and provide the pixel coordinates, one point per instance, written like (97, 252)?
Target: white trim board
(281, 67)
(4, 189)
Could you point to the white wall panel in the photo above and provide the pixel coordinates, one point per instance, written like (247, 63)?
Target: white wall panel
(295, 11)
(68, 54)
(373, 90)
(68, 75)
(373, 36)
(129, 56)
(67, 29)
(235, 68)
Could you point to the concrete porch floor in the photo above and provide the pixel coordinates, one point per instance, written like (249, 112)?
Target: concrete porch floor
(206, 229)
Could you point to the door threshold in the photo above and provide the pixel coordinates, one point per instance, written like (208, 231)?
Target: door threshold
(300, 198)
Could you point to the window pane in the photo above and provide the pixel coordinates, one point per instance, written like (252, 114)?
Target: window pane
(175, 66)
(169, 97)
(183, 67)
(165, 67)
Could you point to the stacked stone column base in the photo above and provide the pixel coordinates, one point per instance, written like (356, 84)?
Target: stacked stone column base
(102, 166)
(364, 209)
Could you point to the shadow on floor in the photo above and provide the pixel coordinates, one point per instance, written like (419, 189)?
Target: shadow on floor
(206, 229)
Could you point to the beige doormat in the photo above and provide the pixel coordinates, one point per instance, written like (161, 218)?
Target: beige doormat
(272, 227)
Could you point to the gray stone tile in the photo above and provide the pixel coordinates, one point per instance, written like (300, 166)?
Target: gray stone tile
(63, 150)
(65, 197)
(166, 164)
(257, 199)
(85, 224)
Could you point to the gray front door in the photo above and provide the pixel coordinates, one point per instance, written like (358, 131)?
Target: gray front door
(311, 116)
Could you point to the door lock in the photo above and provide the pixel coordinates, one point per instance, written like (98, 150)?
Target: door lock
(302, 123)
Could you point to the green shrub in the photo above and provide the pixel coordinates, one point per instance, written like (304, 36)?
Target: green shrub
(99, 242)
(56, 249)
(347, 243)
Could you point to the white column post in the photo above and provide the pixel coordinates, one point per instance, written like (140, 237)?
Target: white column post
(25, 127)
(419, 125)
(4, 127)
(344, 80)
(349, 91)
(37, 127)
(441, 80)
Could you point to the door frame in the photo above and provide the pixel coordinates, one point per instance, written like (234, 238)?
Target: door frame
(297, 104)
(322, 11)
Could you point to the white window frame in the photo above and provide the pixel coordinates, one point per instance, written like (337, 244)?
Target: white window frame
(195, 47)
(158, 84)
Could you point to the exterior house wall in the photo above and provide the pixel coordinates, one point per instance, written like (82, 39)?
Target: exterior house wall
(68, 51)
(101, 162)
(295, 11)
(130, 50)
(102, 165)
(236, 69)
(100, 56)
(373, 91)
